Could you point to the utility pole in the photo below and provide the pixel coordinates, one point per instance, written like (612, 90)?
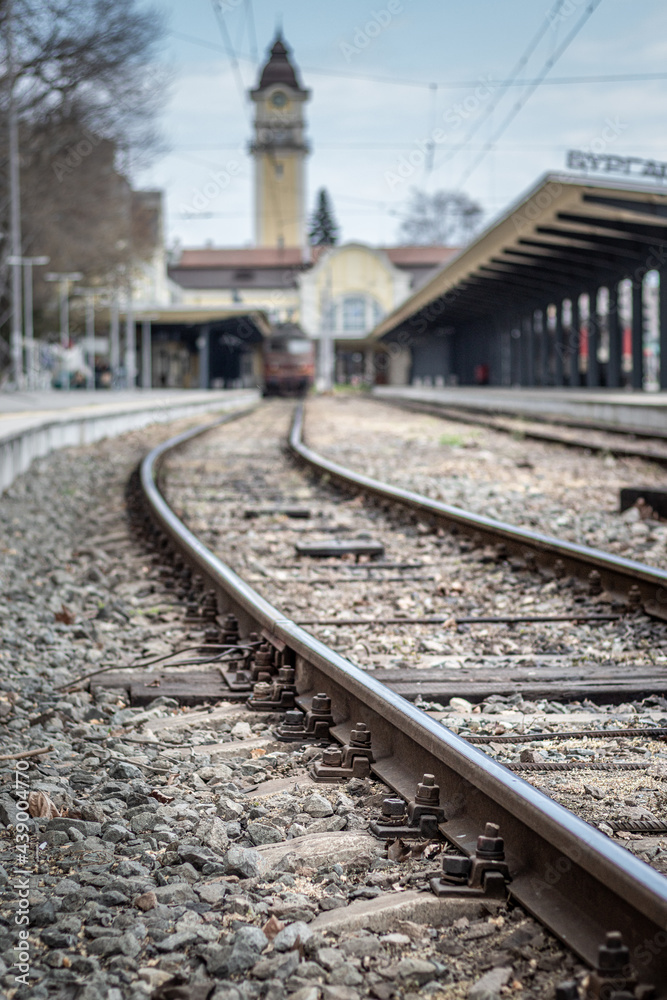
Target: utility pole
(30, 363)
(114, 338)
(64, 283)
(15, 211)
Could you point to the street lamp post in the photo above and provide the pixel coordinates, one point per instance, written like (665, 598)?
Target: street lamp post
(64, 281)
(89, 298)
(29, 341)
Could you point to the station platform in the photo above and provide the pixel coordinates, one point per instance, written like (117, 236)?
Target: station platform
(33, 424)
(641, 413)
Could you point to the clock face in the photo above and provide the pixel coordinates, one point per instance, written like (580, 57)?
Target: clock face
(279, 100)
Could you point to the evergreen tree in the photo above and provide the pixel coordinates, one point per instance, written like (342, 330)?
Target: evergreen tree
(324, 229)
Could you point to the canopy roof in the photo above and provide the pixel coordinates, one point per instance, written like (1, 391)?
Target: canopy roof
(566, 235)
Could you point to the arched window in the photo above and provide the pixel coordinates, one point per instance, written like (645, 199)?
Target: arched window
(354, 314)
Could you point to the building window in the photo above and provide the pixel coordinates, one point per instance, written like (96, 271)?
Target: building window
(279, 169)
(354, 314)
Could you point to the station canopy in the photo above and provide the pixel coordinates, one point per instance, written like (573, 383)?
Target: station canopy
(565, 236)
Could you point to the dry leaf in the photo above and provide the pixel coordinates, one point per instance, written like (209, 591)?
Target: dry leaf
(65, 615)
(161, 797)
(257, 752)
(397, 851)
(272, 927)
(40, 806)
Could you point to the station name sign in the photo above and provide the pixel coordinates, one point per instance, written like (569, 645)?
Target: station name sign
(633, 166)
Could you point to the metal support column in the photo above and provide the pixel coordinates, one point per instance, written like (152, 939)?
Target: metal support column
(146, 355)
(574, 341)
(663, 329)
(203, 347)
(637, 335)
(130, 343)
(615, 341)
(90, 340)
(593, 371)
(559, 346)
(528, 375)
(546, 347)
(114, 339)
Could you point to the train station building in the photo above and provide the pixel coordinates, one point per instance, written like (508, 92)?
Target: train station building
(563, 290)
(336, 294)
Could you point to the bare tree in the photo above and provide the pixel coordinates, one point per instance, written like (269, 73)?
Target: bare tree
(448, 218)
(87, 90)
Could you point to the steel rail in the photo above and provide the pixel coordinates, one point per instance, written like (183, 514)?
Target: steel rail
(573, 878)
(617, 574)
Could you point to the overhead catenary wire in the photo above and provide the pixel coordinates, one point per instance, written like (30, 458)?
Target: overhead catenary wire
(513, 76)
(397, 81)
(521, 102)
(230, 51)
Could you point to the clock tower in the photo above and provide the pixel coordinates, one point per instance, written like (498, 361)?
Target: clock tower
(279, 149)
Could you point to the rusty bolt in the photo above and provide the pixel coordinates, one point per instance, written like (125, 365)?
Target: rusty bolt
(594, 583)
(286, 675)
(613, 955)
(559, 569)
(262, 690)
(360, 735)
(456, 866)
(490, 845)
(428, 793)
(332, 757)
(567, 991)
(264, 656)
(321, 704)
(293, 719)
(634, 596)
(393, 808)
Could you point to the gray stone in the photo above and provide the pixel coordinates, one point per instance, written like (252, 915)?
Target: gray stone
(114, 833)
(213, 892)
(365, 944)
(264, 833)
(489, 986)
(84, 827)
(345, 975)
(251, 937)
(7, 810)
(276, 967)
(286, 939)
(198, 856)
(415, 970)
(328, 958)
(123, 771)
(339, 993)
(175, 892)
(332, 902)
(229, 810)
(175, 941)
(56, 838)
(242, 861)
(306, 993)
(145, 821)
(213, 834)
(316, 805)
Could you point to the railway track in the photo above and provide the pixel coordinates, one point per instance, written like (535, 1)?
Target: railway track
(573, 878)
(591, 436)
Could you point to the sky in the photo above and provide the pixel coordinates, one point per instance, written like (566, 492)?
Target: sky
(404, 94)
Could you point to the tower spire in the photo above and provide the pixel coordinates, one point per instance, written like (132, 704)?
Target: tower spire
(279, 149)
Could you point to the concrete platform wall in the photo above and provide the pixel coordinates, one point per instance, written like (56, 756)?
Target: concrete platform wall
(65, 428)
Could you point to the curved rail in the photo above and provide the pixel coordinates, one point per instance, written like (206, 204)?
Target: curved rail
(617, 574)
(568, 874)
